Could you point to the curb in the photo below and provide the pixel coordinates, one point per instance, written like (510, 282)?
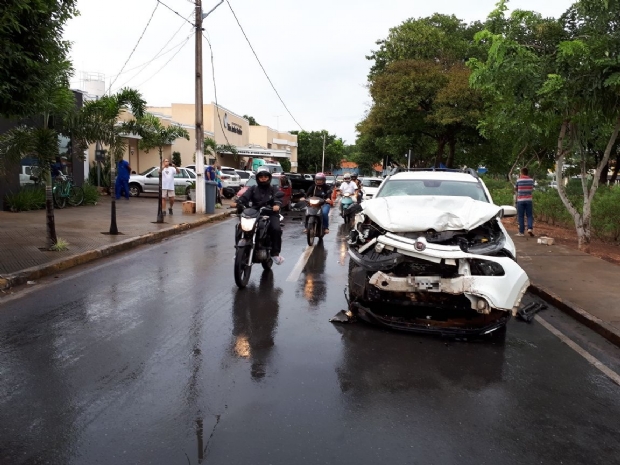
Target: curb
(596, 324)
(41, 271)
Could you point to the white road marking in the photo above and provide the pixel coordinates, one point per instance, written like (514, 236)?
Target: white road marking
(615, 377)
(299, 266)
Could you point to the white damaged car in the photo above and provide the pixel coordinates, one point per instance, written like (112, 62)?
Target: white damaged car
(429, 253)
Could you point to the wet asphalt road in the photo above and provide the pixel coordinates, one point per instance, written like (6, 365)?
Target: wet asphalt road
(155, 357)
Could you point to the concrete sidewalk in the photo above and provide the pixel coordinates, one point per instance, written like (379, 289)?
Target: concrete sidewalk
(23, 254)
(579, 284)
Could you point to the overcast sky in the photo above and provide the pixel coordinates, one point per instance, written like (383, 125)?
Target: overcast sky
(314, 52)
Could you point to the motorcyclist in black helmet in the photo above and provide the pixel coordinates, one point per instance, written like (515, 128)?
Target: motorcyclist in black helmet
(263, 194)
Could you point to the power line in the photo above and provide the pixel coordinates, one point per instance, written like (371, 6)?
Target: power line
(166, 63)
(144, 66)
(137, 43)
(217, 106)
(261, 65)
(176, 12)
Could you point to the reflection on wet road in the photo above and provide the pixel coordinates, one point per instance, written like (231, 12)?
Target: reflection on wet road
(156, 357)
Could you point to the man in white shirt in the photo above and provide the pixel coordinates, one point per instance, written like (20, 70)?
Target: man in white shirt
(167, 185)
(348, 187)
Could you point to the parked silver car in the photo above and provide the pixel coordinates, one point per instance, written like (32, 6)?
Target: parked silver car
(148, 181)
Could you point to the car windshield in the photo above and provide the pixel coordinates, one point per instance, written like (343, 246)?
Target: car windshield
(252, 181)
(371, 182)
(398, 187)
(145, 172)
(243, 174)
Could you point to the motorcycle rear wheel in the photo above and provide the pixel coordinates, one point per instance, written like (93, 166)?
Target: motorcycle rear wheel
(242, 270)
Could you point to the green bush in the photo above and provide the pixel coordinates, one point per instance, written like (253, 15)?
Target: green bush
(179, 190)
(91, 194)
(176, 158)
(28, 198)
(606, 213)
(105, 174)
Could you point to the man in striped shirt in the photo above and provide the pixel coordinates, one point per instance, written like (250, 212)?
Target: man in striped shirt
(524, 188)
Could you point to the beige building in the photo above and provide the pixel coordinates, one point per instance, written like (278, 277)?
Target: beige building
(229, 128)
(222, 125)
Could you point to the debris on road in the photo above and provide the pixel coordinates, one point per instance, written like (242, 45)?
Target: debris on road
(343, 316)
(527, 312)
(544, 240)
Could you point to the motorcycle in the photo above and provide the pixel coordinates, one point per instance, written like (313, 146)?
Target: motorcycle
(314, 219)
(253, 243)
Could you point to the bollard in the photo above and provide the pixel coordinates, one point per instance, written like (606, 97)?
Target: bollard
(210, 194)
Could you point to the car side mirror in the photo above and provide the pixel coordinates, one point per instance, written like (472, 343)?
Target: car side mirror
(508, 211)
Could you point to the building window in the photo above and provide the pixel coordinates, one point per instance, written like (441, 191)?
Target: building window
(268, 146)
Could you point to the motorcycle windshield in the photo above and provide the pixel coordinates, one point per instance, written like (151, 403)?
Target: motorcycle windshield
(249, 213)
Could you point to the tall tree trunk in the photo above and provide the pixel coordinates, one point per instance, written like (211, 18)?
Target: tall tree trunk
(452, 148)
(49, 215)
(604, 174)
(441, 144)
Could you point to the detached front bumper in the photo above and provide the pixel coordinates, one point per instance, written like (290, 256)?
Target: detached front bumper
(397, 265)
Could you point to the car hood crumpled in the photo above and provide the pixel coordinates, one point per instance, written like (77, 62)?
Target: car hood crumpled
(423, 213)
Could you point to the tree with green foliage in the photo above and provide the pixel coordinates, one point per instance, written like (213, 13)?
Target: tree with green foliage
(156, 135)
(176, 158)
(31, 49)
(310, 150)
(556, 84)
(251, 120)
(101, 121)
(54, 103)
(420, 89)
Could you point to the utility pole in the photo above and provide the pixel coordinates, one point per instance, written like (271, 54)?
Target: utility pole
(200, 137)
(323, 163)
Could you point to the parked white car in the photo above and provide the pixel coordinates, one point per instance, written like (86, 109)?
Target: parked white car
(230, 177)
(148, 181)
(432, 244)
(244, 176)
(370, 186)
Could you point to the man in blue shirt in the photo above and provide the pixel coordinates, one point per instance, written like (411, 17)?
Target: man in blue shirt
(122, 179)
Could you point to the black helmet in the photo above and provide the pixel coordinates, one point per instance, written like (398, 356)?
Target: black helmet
(354, 176)
(263, 172)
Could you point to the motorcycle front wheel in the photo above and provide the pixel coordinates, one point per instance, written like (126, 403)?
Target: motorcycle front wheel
(242, 270)
(311, 231)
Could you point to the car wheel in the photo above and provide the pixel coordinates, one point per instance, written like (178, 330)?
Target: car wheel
(134, 190)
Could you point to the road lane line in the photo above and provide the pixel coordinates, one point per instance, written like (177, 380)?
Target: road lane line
(615, 377)
(299, 266)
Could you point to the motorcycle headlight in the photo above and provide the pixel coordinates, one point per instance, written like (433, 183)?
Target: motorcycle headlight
(315, 203)
(247, 224)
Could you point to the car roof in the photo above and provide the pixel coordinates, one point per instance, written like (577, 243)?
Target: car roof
(443, 175)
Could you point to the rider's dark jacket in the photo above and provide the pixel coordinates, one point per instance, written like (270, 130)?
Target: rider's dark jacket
(261, 196)
(322, 191)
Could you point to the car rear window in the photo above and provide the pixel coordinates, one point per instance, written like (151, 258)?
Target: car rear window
(392, 188)
(275, 181)
(371, 182)
(229, 171)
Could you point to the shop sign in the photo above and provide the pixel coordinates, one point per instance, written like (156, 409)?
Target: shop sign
(232, 127)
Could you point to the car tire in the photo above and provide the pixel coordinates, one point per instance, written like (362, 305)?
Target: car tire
(135, 190)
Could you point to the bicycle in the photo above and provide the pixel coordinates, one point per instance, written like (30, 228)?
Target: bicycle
(64, 191)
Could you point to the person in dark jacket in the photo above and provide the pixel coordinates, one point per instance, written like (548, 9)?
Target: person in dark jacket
(322, 190)
(263, 194)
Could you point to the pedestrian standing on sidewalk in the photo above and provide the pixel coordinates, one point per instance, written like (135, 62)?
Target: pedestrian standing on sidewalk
(167, 185)
(122, 179)
(524, 189)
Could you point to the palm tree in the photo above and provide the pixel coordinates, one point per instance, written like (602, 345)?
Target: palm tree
(156, 135)
(54, 100)
(100, 121)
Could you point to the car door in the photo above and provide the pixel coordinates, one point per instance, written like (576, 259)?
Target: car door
(182, 178)
(151, 181)
(286, 188)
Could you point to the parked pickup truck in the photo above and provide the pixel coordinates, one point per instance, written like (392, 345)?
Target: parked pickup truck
(300, 182)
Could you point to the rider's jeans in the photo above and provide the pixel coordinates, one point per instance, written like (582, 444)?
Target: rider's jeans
(276, 235)
(325, 210)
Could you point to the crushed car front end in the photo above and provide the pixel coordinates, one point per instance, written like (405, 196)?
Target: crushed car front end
(446, 267)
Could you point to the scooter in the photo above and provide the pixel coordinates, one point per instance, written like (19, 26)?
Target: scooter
(314, 219)
(253, 243)
(345, 204)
